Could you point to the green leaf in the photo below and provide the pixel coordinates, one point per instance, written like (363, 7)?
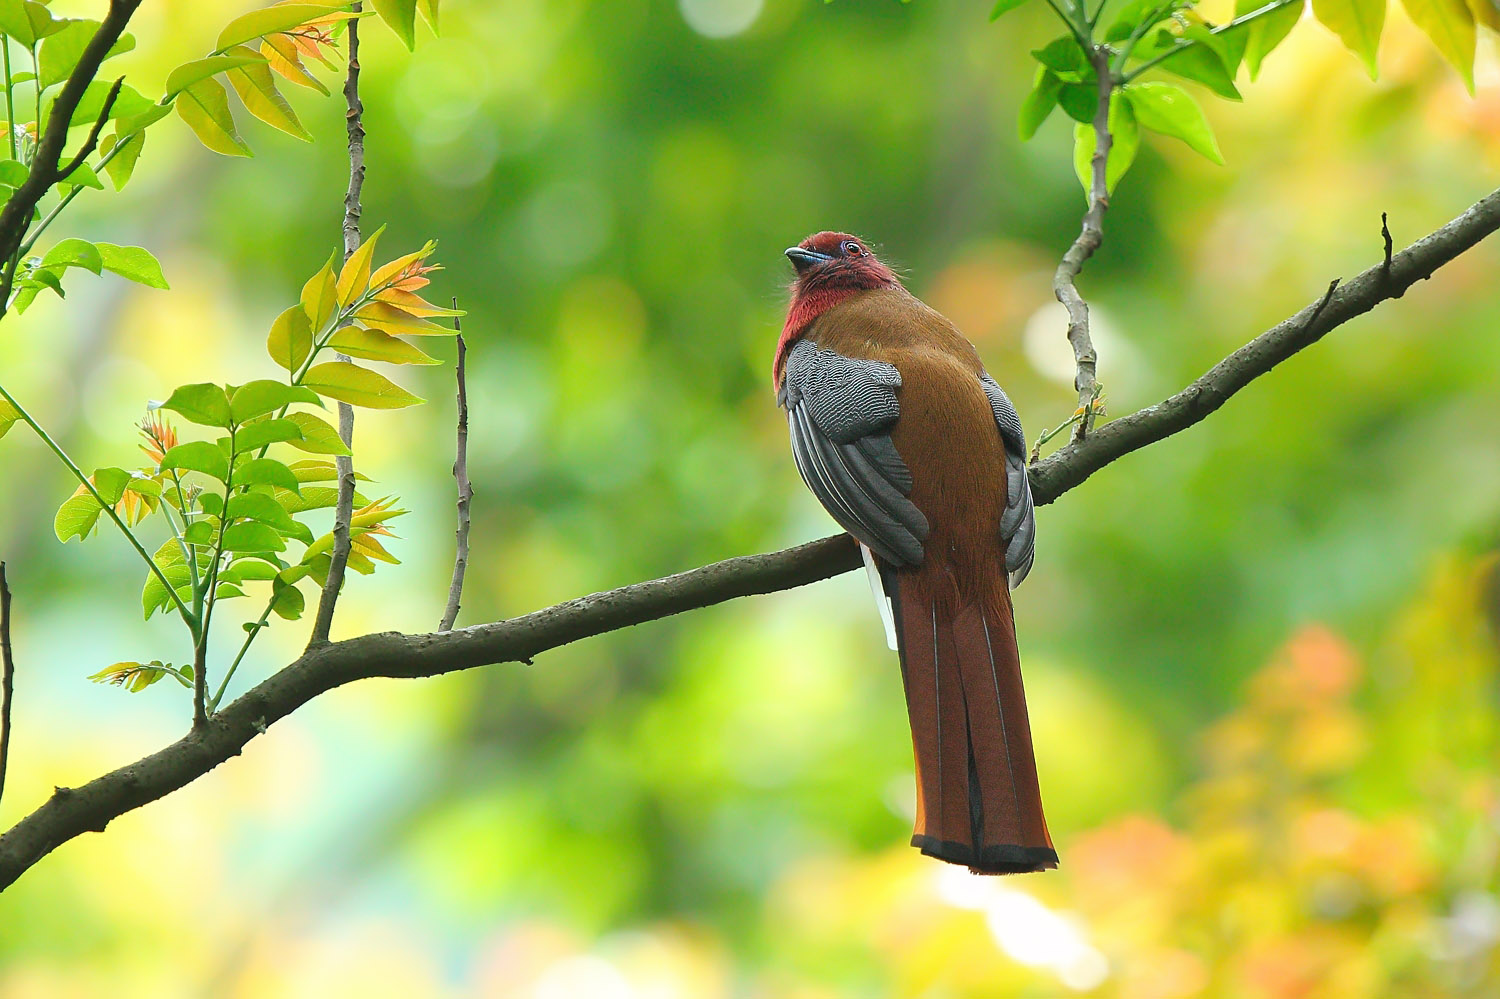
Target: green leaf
(401, 15)
(1132, 15)
(1124, 141)
(320, 296)
(204, 403)
(1200, 59)
(1065, 58)
(169, 560)
(358, 386)
(190, 73)
(1357, 23)
(77, 516)
(9, 416)
(122, 164)
(60, 51)
(1267, 31)
(227, 590)
(256, 86)
(1039, 103)
(199, 533)
(1486, 12)
(205, 108)
(83, 175)
(252, 537)
(13, 173)
(1079, 100)
(197, 456)
(27, 22)
(429, 10)
(136, 677)
(254, 568)
(266, 472)
(90, 109)
(258, 435)
(269, 20)
(373, 345)
(263, 508)
(131, 124)
(260, 397)
(1170, 110)
(291, 338)
(317, 436)
(287, 600)
(389, 319)
(74, 252)
(1003, 7)
(132, 262)
(1450, 25)
(111, 483)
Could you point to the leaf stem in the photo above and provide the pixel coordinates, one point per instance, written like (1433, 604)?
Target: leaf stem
(57, 209)
(200, 650)
(213, 703)
(1187, 43)
(188, 617)
(10, 104)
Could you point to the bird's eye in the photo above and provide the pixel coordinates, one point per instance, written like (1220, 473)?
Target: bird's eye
(851, 248)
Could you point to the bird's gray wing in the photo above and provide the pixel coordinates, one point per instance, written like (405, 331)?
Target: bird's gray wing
(841, 410)
(1018, 523)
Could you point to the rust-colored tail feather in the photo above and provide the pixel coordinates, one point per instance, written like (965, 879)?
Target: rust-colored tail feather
(978, 801)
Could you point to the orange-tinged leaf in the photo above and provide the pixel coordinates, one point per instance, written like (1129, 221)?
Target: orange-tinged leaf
(357, 386)
(355, 276)
(416, 305)
(1486, 12)
(269, 20)
(385, 273)
(320, 296)
(281, 55)
(373, 548)
(373, 345)
(390, 319)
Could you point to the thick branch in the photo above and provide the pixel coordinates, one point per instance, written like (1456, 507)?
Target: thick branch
(1089, 240)
(7, 676)
(69, 812)
(344, 508)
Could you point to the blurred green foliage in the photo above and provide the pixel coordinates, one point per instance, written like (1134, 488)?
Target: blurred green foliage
(717, 804)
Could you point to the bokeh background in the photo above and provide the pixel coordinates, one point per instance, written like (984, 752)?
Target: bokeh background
(1260, 656)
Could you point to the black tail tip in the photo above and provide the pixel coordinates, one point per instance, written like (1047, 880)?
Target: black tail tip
(996, 859)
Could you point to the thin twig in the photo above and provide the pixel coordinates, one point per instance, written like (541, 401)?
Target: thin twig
(1385, 235)
(344, 509)
(7, 676)
(1089, 238)
(70, 812)
(92, 142)
(465, 491)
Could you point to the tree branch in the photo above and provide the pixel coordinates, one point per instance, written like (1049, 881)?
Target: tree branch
(70, 812)
(1089, 240)
(465, 490)
(344, 508)
(17, 213)
(7, 676)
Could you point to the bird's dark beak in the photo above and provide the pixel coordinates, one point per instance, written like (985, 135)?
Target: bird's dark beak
(804, 259)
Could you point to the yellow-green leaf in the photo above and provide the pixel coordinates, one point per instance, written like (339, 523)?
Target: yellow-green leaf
(317, 436)
(122, 164)
(429, 10)
(8, 416)
(282, 56)
(189, 73)
(77, 516)
(257, 89)
(358, 386)
(320, 296)
(373, 345)
(269, 20)
(401, 15)
(1170, 110)
(1263, 34)
(205, 107)
(291, 338)
(1450, 25)
(354, 278)
(1486, 12)
(1357, 23)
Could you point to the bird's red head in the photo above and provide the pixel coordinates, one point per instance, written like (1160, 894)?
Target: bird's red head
(831, 266)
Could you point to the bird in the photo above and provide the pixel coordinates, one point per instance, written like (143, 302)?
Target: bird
(912, 447)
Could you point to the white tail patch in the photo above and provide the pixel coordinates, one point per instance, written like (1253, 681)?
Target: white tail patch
(882, 602)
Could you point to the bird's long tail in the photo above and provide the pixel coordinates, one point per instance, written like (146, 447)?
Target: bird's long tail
(978, 801)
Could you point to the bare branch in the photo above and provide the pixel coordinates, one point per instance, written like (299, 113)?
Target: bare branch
(1089, 240)
(92, 142)
(344, 508)
(70, 812)
(465, 490)
(7, 676)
